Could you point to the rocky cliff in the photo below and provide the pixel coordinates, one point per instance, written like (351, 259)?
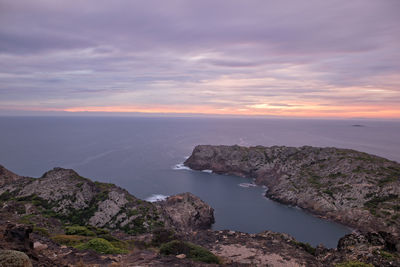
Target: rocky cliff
(63, 219)
(351, 187)
(63, 194)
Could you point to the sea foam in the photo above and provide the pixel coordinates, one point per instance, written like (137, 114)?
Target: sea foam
(247, 185)
(156, 197)
(180, 166)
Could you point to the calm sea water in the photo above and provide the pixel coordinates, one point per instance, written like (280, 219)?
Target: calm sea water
(139, 154)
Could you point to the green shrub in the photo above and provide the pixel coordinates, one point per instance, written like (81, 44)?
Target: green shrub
(40, 231)
(162, 235)
(13, 258)
(102, 246)
(353, 264)
(375, 201)
(192, 251)
(79, 230)
(26, 219)
(386, 255)
(306, 246)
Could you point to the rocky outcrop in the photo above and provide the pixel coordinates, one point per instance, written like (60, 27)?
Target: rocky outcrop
(187, 212)
(277, 249)
(7, 177)
(63, 194)
(351, 187)
(378, 249)
(263, 249)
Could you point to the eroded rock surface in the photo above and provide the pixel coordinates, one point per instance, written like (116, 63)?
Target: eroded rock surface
(187, 211)
(351, 187)
(63, 194)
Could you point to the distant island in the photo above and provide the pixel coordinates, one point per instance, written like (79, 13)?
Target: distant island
(64, 219)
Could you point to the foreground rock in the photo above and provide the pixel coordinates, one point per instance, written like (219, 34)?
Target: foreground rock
(63, 194)
(187, 212)
(351, 187)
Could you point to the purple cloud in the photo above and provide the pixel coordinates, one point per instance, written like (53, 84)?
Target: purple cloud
(199, 52)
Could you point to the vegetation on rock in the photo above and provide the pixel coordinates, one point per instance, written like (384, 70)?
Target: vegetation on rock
(191, 251)
(354, 264)
(13, 258)
(352, 187)
(102, 246)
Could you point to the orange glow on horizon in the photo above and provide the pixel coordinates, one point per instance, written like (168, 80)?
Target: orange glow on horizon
(296, 111)
(300, 110)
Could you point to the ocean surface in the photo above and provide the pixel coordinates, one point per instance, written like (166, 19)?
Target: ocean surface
(143, 155)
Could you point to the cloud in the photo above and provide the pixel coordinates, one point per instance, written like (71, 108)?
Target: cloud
(220, 55)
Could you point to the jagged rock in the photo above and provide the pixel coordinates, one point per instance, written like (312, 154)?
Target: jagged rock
(7, 177)
(39, 246)
(187, 212)
(18, 235)
(70, 197)
(108, 209)
(351, 187)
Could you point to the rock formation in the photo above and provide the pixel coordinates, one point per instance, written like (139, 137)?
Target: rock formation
(350, 187)
(63, 194)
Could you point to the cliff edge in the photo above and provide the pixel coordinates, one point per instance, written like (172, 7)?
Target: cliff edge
(354, 188)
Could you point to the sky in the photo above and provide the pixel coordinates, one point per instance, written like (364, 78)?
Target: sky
(322, 59)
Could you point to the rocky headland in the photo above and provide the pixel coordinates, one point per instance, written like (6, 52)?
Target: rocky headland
(63, 219)
(354, 188)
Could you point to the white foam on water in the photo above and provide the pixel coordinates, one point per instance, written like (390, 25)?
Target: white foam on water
(156, 197)
(208, 171)
(180, 166)
(247, 185)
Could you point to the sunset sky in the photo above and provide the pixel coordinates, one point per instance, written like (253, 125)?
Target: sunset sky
(328, 59)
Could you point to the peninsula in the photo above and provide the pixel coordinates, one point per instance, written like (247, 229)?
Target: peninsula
(354, 188)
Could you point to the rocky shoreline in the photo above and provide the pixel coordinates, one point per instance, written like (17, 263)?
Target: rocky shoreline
(353, 188)
(63, 219)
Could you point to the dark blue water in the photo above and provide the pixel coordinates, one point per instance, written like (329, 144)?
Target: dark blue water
(139, 154)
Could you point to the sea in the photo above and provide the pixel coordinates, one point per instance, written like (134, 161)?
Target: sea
(145, 154)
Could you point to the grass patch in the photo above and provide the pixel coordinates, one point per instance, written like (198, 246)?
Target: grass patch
(375, 201)
(41, 231)
(26, 219)
(6, 196)
(161, 236)
(353, 264)
(101, 246)
(79, 230)
(386, 255)
(314, 181)
(191, 251)
(69, 240)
